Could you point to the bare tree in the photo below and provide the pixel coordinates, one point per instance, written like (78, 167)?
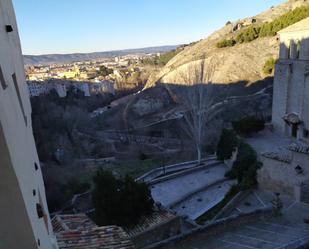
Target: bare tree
(198, 100)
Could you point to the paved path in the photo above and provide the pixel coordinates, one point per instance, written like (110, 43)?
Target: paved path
(281, 232)
(266, 141)
(175, 189)
(199, 203)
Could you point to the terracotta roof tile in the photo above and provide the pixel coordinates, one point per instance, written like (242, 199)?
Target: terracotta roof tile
(71, 221)
(77, 231)
(150, 221)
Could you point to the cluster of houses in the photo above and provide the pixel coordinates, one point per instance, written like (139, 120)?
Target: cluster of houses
(37, 88)
(84, 70)
(66, 71)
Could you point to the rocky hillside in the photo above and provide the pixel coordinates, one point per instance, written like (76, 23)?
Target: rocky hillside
(204, 61)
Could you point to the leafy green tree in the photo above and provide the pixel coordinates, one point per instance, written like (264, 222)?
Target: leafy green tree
(119, 201)
(104, 71)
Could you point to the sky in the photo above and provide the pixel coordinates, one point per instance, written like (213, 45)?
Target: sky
(81, 26)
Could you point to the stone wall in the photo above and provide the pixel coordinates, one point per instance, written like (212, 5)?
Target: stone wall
(304, 192)
(278, 176)
(230, 206)
(158, 233)
(217, 226)
(152, 174)
(291, 93)
(280, 95)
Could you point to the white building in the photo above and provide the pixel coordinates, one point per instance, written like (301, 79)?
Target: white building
(105, 86)
(36, 88)
(25, 222)
(84, 87)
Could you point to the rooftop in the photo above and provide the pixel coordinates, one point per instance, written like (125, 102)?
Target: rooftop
(149, 222)
(70, 222)
(107, 237)
(277, 147)
(77, 231)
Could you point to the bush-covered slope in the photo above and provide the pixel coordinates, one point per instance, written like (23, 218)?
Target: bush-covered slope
(236, 62)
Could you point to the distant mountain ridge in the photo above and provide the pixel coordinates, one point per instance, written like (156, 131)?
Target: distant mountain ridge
(67, 58)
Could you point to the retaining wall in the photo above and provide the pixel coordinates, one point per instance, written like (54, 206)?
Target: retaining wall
(152, 174)
(217, 226)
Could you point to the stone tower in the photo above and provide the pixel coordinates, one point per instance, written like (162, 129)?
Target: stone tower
(291, 84)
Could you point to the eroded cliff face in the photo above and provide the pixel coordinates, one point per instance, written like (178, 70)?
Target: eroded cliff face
(203, 61)
(242, 63)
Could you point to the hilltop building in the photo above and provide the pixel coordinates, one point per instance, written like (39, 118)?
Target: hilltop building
(25, 221)
(285, 150)
(291, 89)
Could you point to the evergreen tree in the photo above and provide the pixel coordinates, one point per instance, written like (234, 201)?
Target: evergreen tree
(119, 201)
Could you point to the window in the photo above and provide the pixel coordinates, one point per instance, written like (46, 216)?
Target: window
(291, 68)
(294, 130)
(298, 49)
(39, 210)
(288, 51)
(19, 97)
(2, 80)
(292, 50)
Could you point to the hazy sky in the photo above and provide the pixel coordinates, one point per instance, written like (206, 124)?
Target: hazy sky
(69, 26)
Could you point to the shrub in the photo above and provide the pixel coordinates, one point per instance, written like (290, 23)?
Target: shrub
(119, 201)
(227, 143)
(270, 29)
(248, 125)
(269, 66)
(226, 43)
(104, 71)
(142, 156)
(248, 34)
(245, 167)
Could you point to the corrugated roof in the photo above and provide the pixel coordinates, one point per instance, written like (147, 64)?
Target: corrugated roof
(150, 221)
(299, 26)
